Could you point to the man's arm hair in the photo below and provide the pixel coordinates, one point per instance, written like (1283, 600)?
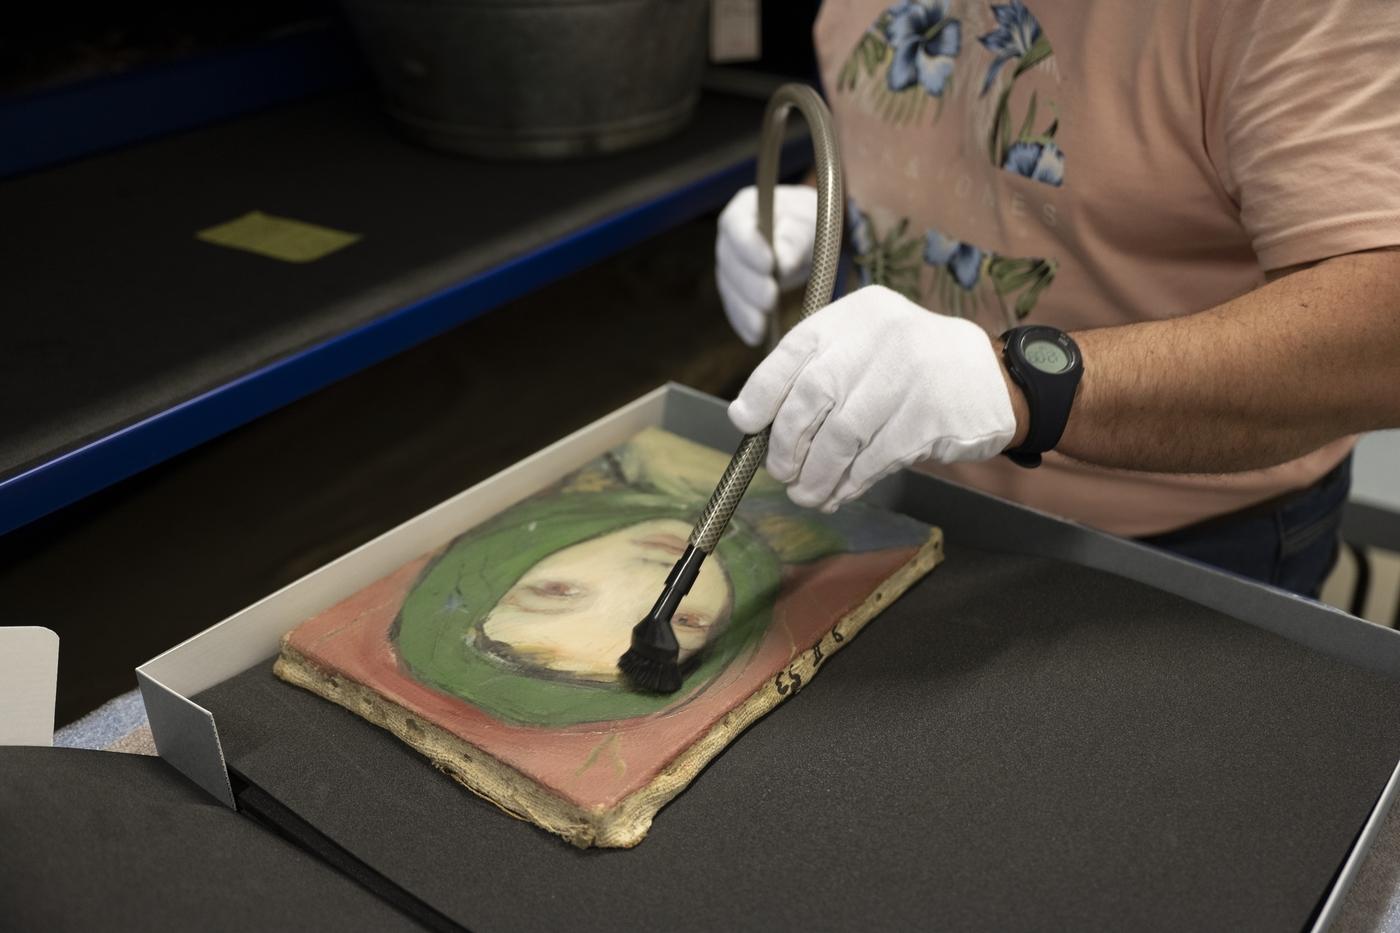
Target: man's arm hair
(1312, 356)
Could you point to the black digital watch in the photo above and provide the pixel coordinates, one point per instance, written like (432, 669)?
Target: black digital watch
(1046, 364)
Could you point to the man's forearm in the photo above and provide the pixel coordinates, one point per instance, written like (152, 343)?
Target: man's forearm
(1262, 379)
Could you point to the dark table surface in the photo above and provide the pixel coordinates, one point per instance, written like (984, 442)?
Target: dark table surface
(96, 841)
(1103, 756)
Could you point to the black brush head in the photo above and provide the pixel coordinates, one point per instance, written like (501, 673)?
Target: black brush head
(648, 666)
(653, 662)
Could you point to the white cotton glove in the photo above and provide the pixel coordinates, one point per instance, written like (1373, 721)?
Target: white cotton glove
(744, 268)
(871, 384)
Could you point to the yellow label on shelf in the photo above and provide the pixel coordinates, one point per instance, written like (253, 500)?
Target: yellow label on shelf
(278, 237)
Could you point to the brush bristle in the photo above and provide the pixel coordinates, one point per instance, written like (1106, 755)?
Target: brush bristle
(648, 672)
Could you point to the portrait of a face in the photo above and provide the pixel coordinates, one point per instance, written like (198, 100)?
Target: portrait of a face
(527, 615)
(571, 615)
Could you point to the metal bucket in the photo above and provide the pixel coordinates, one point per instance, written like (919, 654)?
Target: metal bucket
(535, 78)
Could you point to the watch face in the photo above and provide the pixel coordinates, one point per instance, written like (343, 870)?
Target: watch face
(1046, 356)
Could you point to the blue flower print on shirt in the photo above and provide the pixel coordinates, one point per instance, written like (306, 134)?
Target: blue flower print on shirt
(968, 281)
(1041, 161)
(904, 60)
(924, 42)
(954, 277)
(862, 241)
(962, 260)
(1016, 37)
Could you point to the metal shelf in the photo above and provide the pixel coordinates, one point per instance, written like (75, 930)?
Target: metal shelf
(130, 341)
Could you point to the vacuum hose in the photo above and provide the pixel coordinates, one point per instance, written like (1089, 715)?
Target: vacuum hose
(821, 286)
(652, 663)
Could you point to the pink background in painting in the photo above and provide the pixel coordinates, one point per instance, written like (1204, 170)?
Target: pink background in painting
(594, 765)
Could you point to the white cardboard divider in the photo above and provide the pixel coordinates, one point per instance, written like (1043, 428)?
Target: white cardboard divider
(28, 684)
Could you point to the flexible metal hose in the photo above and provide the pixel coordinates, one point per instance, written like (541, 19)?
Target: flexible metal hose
(821, 286)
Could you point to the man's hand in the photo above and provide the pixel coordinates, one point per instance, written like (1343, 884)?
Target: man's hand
(871, 384)
(744, 265)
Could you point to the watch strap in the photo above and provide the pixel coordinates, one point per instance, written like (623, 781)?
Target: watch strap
(1049, 398)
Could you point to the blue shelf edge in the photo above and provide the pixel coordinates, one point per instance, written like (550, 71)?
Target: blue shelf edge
(48, 486)
(59, 124)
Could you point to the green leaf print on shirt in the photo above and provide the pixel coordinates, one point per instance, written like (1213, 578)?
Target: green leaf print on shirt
(891, 260)
(1028, 276)
(866, 58)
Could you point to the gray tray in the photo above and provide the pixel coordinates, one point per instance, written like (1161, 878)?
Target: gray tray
(1056, 728)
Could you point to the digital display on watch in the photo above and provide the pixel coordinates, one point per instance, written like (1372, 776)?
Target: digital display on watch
(1046, 356)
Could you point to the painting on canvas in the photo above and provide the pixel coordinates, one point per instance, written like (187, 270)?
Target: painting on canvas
(496, 657)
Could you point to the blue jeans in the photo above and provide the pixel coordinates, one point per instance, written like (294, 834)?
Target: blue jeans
(1291, 542)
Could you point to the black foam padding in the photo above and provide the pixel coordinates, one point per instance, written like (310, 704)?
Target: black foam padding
(104, 841)
(1016, 744)
(113, 310)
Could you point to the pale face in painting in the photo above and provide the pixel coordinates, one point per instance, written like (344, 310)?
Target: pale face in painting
(573, 612)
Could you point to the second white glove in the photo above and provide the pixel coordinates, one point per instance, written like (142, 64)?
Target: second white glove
(745, 266)
(871, 384)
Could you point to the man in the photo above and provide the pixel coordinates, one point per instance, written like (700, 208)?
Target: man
(1200, 197)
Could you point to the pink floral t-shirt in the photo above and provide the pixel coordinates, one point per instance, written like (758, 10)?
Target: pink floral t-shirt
(1086, 163)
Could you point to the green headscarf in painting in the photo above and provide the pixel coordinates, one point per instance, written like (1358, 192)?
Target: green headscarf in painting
(655, 476)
